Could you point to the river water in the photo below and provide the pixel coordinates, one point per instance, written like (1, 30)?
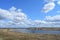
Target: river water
(37, 31)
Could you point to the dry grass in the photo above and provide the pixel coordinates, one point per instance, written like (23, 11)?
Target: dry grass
(6, 34)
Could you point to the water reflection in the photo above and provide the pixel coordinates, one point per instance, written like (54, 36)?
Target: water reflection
(36, 31)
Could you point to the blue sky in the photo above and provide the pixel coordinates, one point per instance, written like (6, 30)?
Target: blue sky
(31, 7)
(38, 12)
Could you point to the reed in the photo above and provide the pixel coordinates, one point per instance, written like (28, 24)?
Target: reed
(6, 34)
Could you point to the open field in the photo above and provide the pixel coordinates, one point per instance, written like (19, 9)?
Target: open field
(7, 34)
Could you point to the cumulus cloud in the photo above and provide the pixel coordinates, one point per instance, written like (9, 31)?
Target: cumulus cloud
(51, 21)
(50, 5)
(58, 2)
(53, 18)
(54, 21)
(15, 18)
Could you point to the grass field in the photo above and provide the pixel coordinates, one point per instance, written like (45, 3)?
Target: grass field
(6, 34)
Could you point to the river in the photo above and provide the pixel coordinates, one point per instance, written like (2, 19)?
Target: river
(37, 31)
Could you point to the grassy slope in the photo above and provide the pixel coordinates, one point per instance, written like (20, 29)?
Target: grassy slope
(8, 35)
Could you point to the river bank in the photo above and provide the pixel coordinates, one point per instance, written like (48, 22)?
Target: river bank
(58, 29)
(7, 34)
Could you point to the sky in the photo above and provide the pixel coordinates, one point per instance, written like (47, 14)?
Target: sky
(30, 7)
(29, 13)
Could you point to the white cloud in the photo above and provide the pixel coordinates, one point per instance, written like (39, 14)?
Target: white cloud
(12, 9)
(51, 21)
(15, 18)
(54, 21)
(52, 18)
(58, 2)
(48, 7)
(58, 11)
(49, 0)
